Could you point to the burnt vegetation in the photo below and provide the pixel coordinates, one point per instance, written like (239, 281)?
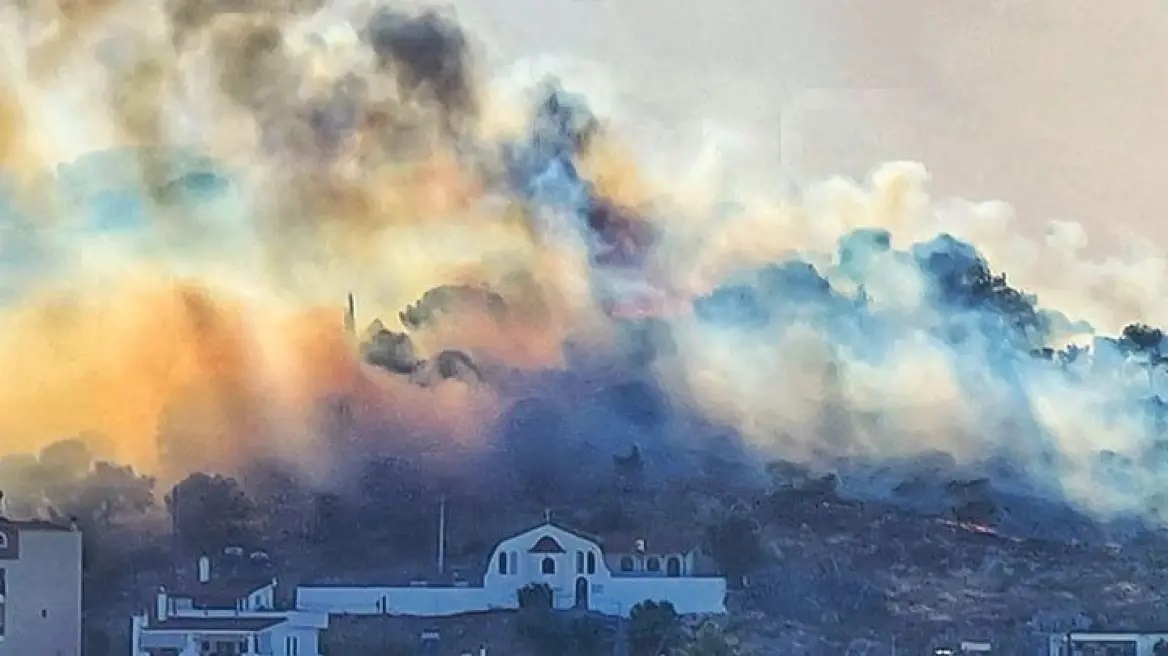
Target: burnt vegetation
(801, 557)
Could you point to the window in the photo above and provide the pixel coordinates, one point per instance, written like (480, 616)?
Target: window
(291, 646)
(548, 566)
(502, 562)
(579, 562)
(626, 563)
(591, 562)
(3, 540)
(514, 562)
(653, 564)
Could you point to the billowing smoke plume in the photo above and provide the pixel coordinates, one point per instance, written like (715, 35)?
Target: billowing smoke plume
(193, 188)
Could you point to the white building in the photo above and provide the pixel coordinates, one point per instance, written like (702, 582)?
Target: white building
(1117, 643)
(966, 647)
(225, 617)
(40, 588)
(580, 573)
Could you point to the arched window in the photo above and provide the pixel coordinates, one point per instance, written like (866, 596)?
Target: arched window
(626, 563)
(502, 562)
(3, 540)
(673, 566)
(548, 566)
(653, 564)
(591, 562)
(579, 562)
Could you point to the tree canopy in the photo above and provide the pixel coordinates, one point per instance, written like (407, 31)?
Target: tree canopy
(209, 512)
(736, 546)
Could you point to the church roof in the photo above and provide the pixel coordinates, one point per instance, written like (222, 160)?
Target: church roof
(551, 524)
(547, 544)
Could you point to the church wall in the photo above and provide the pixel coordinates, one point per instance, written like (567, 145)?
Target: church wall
(689, 596)
(411, 601)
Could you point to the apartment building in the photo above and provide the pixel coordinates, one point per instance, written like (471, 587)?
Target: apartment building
(40, 589)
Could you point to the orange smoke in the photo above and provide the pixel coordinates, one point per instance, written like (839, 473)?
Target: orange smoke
(348, 183)
(175, 377)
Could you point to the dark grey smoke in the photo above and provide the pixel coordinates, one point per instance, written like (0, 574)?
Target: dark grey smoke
(429, 53)
(65, 481)
(543, 169)
(333, 119)
(394, 351)
(187, 16)
(389, 350)
(447, 365)
(451, 299)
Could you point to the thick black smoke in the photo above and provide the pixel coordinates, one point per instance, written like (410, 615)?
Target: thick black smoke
(430, 53)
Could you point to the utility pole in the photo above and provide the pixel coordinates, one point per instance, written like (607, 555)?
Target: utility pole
(442, 535)
(620, 640)
(174, 513)
(351, 319)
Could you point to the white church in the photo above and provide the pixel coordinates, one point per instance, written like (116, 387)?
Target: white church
(604, 576)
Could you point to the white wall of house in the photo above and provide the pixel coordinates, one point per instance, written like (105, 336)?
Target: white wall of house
(280, 640)
(300, 618)
(1145, 642)
(304, 626)
(41, 613)
(287, 640)
(187, 643)
(262, 599)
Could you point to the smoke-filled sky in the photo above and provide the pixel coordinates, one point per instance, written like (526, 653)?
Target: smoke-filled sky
(191, 193)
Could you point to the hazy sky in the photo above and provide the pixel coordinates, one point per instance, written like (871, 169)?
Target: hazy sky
(1057, 106)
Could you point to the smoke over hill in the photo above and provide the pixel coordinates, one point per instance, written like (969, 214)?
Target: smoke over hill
(175, 268)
